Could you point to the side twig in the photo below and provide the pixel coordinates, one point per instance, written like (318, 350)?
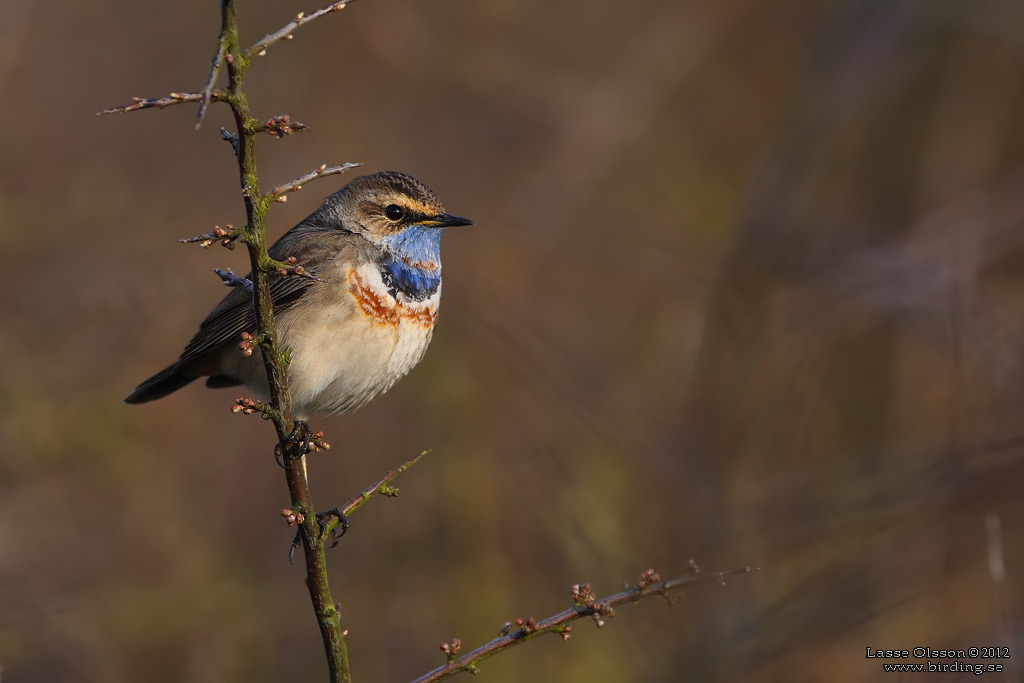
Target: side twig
(278, 194)
(330, 524)
(381, 486)
(163, 102)
(285, 33)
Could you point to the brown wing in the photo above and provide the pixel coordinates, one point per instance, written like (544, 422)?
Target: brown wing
(314, 247)
(235, 314)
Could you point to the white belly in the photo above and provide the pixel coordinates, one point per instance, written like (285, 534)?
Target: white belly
(354, 350)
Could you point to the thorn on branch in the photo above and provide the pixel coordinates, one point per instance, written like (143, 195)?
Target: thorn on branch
(162, 102)
(232, 280)
(207, 93)
(226, 236)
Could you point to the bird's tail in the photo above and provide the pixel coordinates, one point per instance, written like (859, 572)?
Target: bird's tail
(168, 380)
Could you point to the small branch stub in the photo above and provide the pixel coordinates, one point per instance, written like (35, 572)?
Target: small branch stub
(226, 236)
(232, 280)
(279, 126)
(230, 138)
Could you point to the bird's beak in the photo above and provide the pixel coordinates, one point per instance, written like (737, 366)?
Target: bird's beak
(446, 221)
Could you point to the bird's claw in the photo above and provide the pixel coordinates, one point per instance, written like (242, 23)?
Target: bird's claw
(302, 438)
(299, 443)
(322, 519)
(343, 524)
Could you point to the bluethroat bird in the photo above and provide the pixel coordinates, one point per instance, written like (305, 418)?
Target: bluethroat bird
(375, 248)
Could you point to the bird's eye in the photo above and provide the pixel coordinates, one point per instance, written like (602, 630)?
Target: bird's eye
(394, 212)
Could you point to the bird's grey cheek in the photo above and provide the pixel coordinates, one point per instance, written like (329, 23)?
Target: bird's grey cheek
(374, 233)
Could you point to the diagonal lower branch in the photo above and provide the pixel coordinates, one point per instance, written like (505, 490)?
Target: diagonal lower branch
(586, 606)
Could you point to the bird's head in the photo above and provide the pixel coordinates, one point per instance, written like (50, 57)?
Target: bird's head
(383, 206)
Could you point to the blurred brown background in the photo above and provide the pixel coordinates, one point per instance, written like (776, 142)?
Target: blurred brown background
(746, 286)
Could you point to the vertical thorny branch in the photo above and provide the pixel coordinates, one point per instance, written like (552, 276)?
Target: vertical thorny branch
(254, 235)
(312, 534)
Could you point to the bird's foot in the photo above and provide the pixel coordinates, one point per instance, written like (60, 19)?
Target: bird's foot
(302, 437)
(295, 445)
(323, 519)
(300, 442)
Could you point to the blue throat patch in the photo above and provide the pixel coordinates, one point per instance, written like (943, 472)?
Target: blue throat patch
(412, 262)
